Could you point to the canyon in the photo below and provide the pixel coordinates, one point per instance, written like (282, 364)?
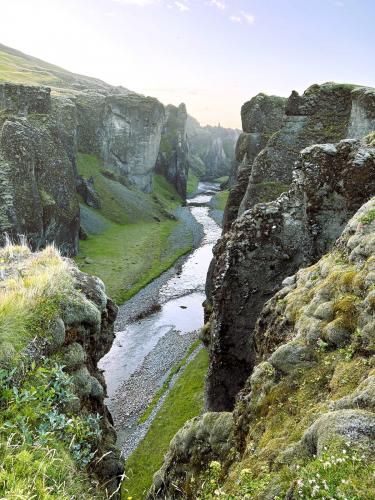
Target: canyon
(256, 391)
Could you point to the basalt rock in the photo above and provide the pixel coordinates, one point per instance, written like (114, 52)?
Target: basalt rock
(37, 175)
(323, 114)
(124, 130)
(306, 413)
(272, 241)
(173, 158)
(262, 116)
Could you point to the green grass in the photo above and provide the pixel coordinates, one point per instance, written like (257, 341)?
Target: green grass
(184, 402)
(129, 236)
(30, 296)
(165, 386)
(192, 183)
(220, 200)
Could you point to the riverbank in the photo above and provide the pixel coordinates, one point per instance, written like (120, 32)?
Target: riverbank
(156, 331)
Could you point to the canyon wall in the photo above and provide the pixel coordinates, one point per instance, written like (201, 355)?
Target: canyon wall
(304, 423)
(37, 172)
(173, 158)
(211, 149)
(252, 258)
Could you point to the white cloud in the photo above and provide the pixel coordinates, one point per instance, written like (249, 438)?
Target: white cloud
(219, 4)
(182, 6)
(243, 17)
(248, 18)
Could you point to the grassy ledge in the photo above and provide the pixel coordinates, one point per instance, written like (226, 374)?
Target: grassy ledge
(184, 402)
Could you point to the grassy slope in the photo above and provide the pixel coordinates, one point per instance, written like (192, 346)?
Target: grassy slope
(127, 247)
(185, 401)
(35, 458)
(220, 200)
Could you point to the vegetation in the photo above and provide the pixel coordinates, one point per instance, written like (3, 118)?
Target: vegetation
(220, 199)
(184, 401)
(31, 295)
(128, 242)
(45, 447)
(165, 386)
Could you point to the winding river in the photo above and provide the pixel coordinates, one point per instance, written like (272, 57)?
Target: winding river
(144, 350)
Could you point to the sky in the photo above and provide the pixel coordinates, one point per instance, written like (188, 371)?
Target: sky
(214, 55)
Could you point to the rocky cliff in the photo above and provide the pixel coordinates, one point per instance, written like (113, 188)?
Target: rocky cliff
(37, 170)
(211, 149)
(124, 130)
(52, 391)
(262, 116)
(173, 158)
(239, 280)
(304, 424)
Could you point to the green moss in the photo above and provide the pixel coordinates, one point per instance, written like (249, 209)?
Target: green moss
(165, 386)
(43, 451)
(368, 217)
(270, 190)
(185, 401)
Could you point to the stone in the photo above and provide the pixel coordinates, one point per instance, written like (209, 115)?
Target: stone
(37, 176)
(73, 356)
(173, 158)
(290, 356)
(262, 116)
(270, 242)
(211, 149)
(356, 427)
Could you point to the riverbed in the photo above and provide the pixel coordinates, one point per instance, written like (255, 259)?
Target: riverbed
(170, 315)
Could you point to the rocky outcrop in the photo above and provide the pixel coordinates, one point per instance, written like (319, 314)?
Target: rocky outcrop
(321, 115)
(124, 130)
(272, 241)
(89, 332)
(211, 149)
(262, 116)
(199, 442)
(173, 158)
(304, 424)
(37, 175)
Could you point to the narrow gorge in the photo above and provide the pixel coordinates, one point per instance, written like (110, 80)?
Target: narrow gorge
(186, 311)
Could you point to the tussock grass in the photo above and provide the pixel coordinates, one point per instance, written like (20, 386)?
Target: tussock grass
(30, 292)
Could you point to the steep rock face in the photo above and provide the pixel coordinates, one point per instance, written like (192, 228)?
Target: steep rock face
(305, 422)
(173, 158)
(262, 116)
(272, 241)
(362, 117)
(211, 149)
(37, 176)
(321, 115)
(124, 130)
(89, 333)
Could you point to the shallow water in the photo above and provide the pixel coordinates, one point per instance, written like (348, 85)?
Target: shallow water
(180, 298)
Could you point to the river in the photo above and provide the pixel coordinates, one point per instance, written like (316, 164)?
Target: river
(145, 350)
